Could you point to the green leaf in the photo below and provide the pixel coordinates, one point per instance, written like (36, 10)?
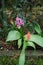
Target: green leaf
(31, 44)
(37, 27)
(19, 43)
(37, 39)
(13, 35)
(22, 55)
(22, 58)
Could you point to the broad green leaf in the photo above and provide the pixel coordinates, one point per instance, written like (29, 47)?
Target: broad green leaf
(37, 27)
(37, 39)
(31, 44)
(13, 35)
(22, 58)
(19, 43)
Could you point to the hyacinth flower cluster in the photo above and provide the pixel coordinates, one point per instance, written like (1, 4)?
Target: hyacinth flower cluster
(19, 22)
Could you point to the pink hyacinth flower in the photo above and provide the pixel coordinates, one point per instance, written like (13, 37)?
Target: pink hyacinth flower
(19, 22)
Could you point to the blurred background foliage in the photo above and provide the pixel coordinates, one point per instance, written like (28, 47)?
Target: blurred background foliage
(26, 9)
(5, 60)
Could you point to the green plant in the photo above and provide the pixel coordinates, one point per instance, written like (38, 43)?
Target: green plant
(28, 39)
